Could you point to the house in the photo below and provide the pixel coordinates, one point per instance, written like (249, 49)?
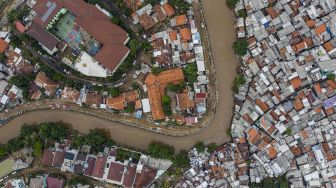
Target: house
(117, 103)
(46, 83)
(98, 170)
(70, 94)
(3, 45)
(156, 85)
(184, 101)
(115, 173)
(93, 99)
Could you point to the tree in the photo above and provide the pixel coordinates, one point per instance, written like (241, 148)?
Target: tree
(115, 20)
(212, 147)
(331, 76)
(135, 85)
(166, 105)
(13, 15)
(160, 150)
(156, 70)
(37, 149)
(242, 13)
(2, 57)
(288, 131)
(240, 46)
(181, 159)
(3, 151)
(231, 3)
(239, 80)
(200, 147)
(190, 72)
(115, 91)
(130, 108)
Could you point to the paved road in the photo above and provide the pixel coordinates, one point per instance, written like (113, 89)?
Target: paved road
(222, 35)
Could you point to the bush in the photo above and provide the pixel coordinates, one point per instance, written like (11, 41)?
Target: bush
(130, 108)
(190, 72)
(160, 150)
(38, 149)
(288, 131)
(240, 46)
(181, 159)
(212, 147)
(242, 13)
(231, 3)
(166, 105)
(115, 92)
(331, 76)
(200, 147)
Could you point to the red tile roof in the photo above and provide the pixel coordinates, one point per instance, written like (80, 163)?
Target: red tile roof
(156, 86)
(58, 159)
(48, 157)
(54, 182)
(169, 10)
(98, 170)
(129, 175)
(115, 172)
(91, 164)
(144, 178)
(20, 27)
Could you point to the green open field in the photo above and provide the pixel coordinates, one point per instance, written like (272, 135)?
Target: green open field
(6, 167)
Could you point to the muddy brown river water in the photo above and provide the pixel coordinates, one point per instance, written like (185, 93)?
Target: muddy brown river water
(219, 20)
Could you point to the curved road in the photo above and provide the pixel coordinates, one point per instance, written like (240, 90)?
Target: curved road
(220, 26)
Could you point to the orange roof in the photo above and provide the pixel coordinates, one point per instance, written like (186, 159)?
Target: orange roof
(3, 45)
(252, 134)
(156, 86)
(296, 82)
(262, 105)
(173, 35)
(298, 103)
(317, 88)
(169, 10)
(117, 103)
(186, 34)
(300, 46)
(272, 152)
(320, 29)
(328, 46)
(181, 20)
(311, 23)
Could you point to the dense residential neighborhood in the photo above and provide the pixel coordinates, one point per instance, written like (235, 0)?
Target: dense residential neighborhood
(151, 70)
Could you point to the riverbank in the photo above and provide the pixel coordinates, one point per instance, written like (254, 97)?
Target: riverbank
(222, 34)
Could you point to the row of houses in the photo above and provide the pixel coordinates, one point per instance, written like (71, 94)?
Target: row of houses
(105, 166)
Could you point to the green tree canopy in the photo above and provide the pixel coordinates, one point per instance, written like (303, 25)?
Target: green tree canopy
(240, 46)
(160, 150)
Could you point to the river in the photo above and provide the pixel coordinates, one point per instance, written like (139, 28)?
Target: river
(220, 23)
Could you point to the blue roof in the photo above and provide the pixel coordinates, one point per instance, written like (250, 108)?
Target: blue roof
(329, 103)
